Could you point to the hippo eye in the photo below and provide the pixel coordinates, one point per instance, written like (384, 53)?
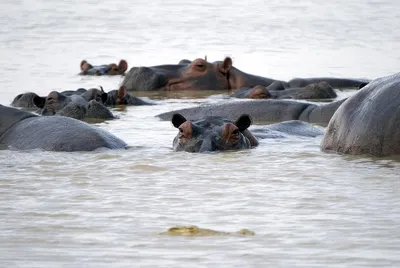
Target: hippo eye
(236, 131)
(180, 130)
(200, 66)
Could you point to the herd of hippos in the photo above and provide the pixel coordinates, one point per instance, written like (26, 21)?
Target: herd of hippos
(367, 123)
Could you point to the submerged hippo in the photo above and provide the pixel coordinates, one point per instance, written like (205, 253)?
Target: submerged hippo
(214, 133)
(87, 105)
(21, 130)
(27, 101)
(321, 90)
(105, 69)
(334, 82)
(121, 97)
(196, 75)
(221, 75)
(368, 122)
(262, 111)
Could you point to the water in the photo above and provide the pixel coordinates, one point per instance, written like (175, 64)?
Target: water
(106, 208)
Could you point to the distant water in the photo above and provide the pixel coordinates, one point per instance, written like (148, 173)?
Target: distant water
(105, 208)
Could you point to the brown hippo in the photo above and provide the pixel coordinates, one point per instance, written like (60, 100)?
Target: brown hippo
(105, 69)
(196, 75)
(368, 122)
(321, 90)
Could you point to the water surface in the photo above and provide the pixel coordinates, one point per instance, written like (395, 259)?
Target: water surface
(105, 208)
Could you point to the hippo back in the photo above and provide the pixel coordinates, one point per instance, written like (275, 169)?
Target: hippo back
(368, 122)
(58, 133)
(11, 116)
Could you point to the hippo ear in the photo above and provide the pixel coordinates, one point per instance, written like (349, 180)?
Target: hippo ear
(362, 85)
(177, 120)
(225, 66)
(101, 89)
(104, 97)
(122, 66)
(243, 122)
(18, 96)
(121, 92)
(39, 101)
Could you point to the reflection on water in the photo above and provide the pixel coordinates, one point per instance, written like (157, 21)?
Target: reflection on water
(105, 208)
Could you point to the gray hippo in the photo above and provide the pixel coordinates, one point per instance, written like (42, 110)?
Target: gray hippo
(214, 133)
(262, 111)
(21, 130)
(321, 90)
(75, 106)
(121, 97)
(334, 82)
(105, 69)
(368, 122)
(26, 101)
(79, 91)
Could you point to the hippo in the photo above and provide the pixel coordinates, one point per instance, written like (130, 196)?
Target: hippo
(367, 122)
(121, 97)
(21, 130)
(92, 110)
(79, 91)
(212, 133)
(338, 83)
(262, 111)
(75, 106)
(26, 101)
(196, 75)
(321, 90)
(105, 69)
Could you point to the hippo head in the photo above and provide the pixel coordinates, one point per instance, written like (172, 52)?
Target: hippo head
(95, 94)
(51, 104)
(25, 100)
(212, 134)
(196, 75)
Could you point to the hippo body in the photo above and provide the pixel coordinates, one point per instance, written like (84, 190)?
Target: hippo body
(334, 82)
(20, 130)
(196, 75)
(283, 129)
(262, 111)
(321, 90)
(79, 91)
(368, 122)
